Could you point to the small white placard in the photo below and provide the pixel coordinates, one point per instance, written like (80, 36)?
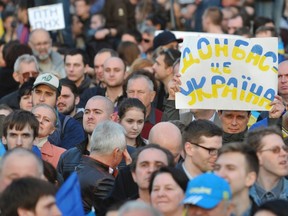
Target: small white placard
(49, 17)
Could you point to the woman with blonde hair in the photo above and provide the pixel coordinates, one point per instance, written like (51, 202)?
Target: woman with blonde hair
(141, 63)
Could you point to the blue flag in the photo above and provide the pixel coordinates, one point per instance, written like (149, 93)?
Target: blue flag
(68, 197)
(2, 149)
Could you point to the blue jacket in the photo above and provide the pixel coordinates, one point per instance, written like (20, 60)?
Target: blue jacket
(69, 136)
(71, 158)
(34, 149)
(256, 198)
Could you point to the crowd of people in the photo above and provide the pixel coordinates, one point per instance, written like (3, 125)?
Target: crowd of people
(98, 99)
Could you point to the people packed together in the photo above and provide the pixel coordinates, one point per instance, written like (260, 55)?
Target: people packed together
(90, 122)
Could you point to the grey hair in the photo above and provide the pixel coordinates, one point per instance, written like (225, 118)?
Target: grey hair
(138, 76)
(140, 206)
(21, 154)
(148, 30)
(47, 107)
(27, 59)
(107, 136)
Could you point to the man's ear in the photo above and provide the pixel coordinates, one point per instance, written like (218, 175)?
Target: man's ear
(251, 179)
(86, 68)
(153, 94)
(170, 70)
(219, 113)
(30, 44)
(4, 141)
(114, 117)
(117, 119)
(188, 148)
(230, 209)
(54, 128)
(259, 158)
(16, 76)
(134, 176)
(249, 115)
(77, 100)
(116, 153)
(24, 212)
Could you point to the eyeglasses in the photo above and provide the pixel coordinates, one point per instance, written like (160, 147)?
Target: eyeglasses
(27, 75)
(211, 151)
(276, 149)
(146, 40)
(170, 54)
(177, 61)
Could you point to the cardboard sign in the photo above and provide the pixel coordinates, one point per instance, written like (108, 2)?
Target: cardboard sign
(50, 17)
(228, 73)
(184, 34)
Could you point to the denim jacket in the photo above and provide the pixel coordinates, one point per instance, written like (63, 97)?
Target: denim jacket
(283, 195)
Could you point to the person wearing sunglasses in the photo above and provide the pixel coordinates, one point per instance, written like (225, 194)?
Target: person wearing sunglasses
(202, 140)
(273, 160)
(25, 67)
(146, 44)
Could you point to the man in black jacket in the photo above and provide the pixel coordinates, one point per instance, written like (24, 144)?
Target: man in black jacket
(96, 172)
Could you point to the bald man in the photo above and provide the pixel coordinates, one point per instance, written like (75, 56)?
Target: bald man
(19, 163)
(99, 89)
(49, 61)
(97, 110)
(282, 90)
(114, 75)
(283, 80)
(171, 139)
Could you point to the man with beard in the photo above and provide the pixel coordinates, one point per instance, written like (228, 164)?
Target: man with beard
(46, 90)
(49, 61)
(68, 100)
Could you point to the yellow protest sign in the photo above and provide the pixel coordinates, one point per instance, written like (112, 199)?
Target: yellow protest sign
(228, 73)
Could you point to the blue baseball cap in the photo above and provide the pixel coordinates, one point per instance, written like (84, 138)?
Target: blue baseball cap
(207, 191)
